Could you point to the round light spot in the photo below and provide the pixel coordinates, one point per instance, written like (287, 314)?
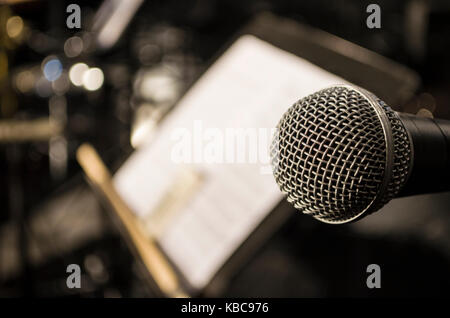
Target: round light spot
(73, 46)
(52, 69)
(25, 81)
(93, 79)
(14, 26)
(43, 87)
(61, 85)
(76, 73)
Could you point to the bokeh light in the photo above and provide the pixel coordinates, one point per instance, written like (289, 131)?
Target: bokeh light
(73, 46)
(62, 84)
(14, 26)
(25, 81)
(43, 87)
(93, 79)
(52, 69)
(76, 73)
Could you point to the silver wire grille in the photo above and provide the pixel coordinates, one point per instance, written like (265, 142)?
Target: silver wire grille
(329, 155)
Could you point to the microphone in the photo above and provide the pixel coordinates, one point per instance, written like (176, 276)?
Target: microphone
(342, 153)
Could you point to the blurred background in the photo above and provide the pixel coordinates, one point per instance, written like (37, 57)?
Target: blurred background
(112, 81)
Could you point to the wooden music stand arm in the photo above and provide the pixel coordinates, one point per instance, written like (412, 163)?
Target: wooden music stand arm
(153, 259)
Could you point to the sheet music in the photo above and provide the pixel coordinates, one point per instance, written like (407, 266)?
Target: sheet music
(250, 86)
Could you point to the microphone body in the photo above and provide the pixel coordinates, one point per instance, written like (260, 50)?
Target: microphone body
(431, 155)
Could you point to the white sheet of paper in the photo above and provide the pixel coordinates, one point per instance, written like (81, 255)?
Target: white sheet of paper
(251, 85)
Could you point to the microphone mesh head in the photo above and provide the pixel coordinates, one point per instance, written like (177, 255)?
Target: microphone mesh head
(340, 153)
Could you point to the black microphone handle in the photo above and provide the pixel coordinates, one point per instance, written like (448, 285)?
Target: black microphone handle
(431, 166)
